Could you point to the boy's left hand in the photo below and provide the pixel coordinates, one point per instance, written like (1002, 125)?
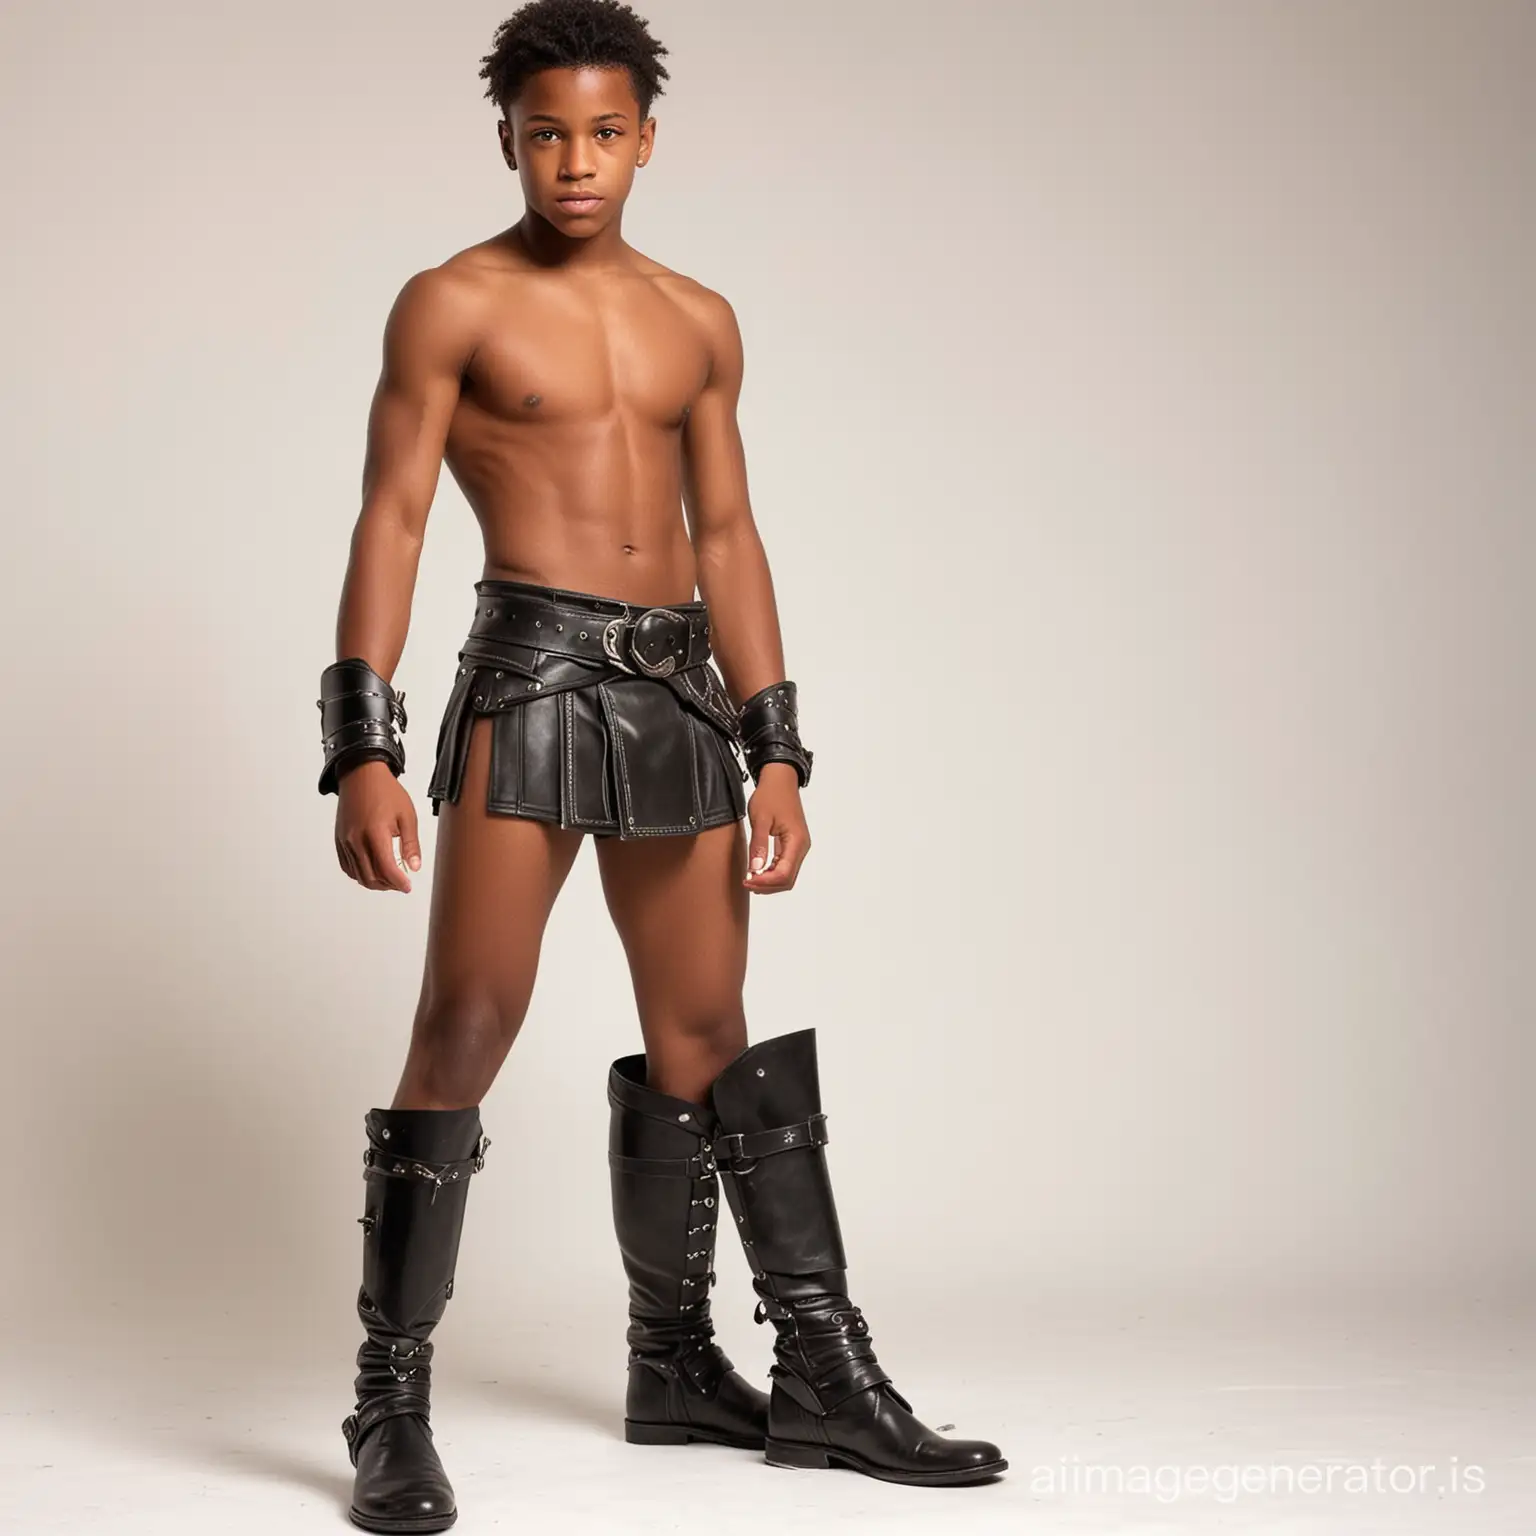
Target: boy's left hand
(774, 811)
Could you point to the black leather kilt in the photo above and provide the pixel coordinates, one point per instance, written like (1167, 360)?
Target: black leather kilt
(608, 716)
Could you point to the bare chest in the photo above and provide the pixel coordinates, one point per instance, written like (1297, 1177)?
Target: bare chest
(565, 354)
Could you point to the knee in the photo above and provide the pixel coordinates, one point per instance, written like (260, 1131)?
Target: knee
(691, 1052)
(719, 1031)
(457, 1047)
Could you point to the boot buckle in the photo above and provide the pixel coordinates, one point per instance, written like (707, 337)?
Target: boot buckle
(743, 1149)
(728, 1149)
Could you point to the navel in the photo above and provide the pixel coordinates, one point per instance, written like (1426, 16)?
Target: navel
(532, 400)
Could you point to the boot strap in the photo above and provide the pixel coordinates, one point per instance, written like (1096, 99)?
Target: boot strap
(700, 1166)
(747, 1146)
(845, 1379)
(378, 1160)
(823, 1369)
(705, 1366)
(375, 1411)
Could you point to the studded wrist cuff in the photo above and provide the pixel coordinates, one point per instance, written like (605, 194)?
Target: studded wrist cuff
(770, 731)
(361, 718)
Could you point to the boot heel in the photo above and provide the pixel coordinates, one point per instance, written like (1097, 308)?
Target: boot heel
(782, 1453)
(655, 1434)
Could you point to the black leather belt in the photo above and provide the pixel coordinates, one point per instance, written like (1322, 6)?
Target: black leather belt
(652, 642)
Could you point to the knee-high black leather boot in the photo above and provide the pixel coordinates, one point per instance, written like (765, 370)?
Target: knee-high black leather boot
(830, 1402)
(666, 1210)
(417, 1166)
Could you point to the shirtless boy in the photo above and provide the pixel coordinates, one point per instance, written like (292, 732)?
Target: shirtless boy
(584, 399)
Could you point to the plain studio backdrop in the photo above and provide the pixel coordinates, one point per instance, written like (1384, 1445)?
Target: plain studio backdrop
(1139, 422)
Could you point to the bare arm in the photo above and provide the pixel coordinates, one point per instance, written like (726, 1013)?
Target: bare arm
(734, 579)
(737, 588)
(428, 338)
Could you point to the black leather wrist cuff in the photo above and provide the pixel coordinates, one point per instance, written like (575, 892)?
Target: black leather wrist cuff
(770, 731)
(361, 719)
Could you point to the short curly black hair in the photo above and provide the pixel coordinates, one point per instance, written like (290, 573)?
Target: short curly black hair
(570, 34)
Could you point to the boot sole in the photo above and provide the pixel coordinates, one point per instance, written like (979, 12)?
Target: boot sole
(638, 1433)
(787, 1453)
(409, 1525)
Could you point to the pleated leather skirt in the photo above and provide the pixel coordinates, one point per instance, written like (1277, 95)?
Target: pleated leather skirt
(607, 716)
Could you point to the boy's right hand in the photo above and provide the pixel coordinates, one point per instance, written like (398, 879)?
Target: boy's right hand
(372, 810)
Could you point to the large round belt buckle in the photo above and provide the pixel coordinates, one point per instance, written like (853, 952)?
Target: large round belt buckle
(657, 630)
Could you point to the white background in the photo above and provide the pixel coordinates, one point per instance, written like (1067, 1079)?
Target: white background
(1138, 416)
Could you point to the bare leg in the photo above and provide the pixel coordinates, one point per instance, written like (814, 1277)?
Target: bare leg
(681, 911)
(496, 881)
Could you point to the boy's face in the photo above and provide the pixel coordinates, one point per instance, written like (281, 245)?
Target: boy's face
(575, 140)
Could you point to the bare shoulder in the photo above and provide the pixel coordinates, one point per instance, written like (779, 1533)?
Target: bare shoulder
(485, 264)
(710, 311)
(439, 312)
(454, 301)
